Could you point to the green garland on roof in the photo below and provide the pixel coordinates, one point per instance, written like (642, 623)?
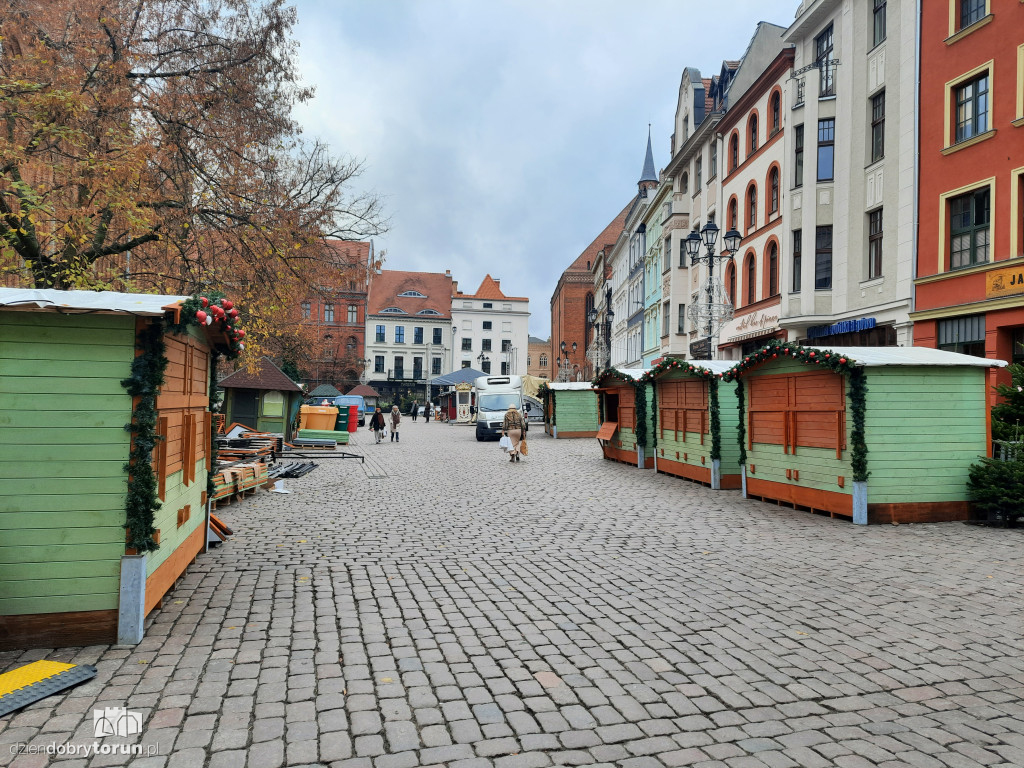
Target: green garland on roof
(142, 502)
(741, 428)
(716, 421)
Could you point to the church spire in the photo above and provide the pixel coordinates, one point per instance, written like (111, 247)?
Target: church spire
(649, 178)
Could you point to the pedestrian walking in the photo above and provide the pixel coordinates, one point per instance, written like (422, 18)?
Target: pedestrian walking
(426, 411)
(377, 424)
(513, 427)
(396, 419)
(415, 407)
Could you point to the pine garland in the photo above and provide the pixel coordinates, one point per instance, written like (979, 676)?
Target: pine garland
(741, 428)
(859, 447)
(213, 426)
(142, 502)
(716, 421)
(640, 402)
(654, 414)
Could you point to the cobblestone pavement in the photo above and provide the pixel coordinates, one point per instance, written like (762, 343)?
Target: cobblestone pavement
(439, 606)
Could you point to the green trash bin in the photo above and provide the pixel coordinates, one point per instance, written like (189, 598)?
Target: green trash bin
(341, 425)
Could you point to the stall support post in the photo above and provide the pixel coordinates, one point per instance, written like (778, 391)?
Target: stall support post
(743, 480)
(640, 456)
(716, 475)
(132, 600)
(554, 432)
(860, 502)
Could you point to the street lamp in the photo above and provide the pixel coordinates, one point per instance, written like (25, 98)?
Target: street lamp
(482, 359)
(565, 368)
(366, 364)
(718, 309)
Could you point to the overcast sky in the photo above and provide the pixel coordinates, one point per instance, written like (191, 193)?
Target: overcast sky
(504, 136)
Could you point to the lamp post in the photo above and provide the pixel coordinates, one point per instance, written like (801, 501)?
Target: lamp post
(366, 364)
(483, 358)
(565, 368)
(718, 309)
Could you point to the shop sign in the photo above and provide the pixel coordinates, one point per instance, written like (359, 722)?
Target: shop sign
(1008, 281)
(846, 326)
(757, 321)
(701, 349)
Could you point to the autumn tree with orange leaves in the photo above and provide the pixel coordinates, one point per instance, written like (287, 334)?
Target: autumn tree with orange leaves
(150, 145)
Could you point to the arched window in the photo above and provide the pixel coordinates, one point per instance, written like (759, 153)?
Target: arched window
(751, 270)
(752, 130)
(773, 186)
(734, 216)
(773, 268)
(684, 183)
(730, 282)
(543, 361)
(751, 207)
(776, 110)
(734, 151)
(352, 342)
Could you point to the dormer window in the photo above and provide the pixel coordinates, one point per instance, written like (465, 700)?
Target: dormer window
(393, 311)
(411, 295)
(428, 312)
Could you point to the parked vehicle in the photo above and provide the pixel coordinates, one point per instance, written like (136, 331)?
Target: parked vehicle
(344, 401)
(494, 394)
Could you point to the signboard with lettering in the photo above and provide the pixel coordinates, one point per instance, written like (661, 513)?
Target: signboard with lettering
(844, 326)
(701, 350)
(1008, 281)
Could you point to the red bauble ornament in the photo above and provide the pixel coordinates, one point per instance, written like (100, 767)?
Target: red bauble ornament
(201, 316)
(774, 356)
(227, 304)
(812, 354)
(241, 333)
(842, 360)
(205, 301)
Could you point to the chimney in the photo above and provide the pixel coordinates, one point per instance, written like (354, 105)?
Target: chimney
(447, 273)
(455, 286)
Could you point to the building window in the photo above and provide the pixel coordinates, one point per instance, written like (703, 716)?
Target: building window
(826, 149)
(752, 133)
(437, 336)
(971, 11)
(963, 334)
(681, 319)
(751, 273)
(714, 159)
(487, 325)
(730, 282)
(773, 268)
(328, 313)
(969, 229)
(379, 338)
(467, 344)
(751, 207)
(822, 56)
(875, 244)
(506, 345)
(684, 184)
(878, 22)
(823, 258)
(698, 175)
(776, 111)
(798, 156)
(466, 363)
(399, 334)
(684, 259)
(378, 364)
(435, 366)
(399, 368)
(485, 345)
(877, 127)
(798, 248)
(306, 310)
(734, 216)
(734, 151)
(972, 107)
(488, 305)
(485, 366)
(417, 335)
(543, 361)
(353, 313)
(773, 187)
(412, 294)
(417, 367)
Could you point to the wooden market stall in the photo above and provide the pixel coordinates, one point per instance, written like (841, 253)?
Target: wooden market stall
(876, 434)
(83, 555)
(264, 400)
(625, 435)
(695, 421)
(570, 409)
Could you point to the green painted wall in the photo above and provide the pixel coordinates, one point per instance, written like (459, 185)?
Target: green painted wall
(628, 436)
(576, 410)
(176, 496)
(925, 426)
(62, 451)
(729, 416)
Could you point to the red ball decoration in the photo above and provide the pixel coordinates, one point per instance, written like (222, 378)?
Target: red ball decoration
(774, 356)
(227, 304)
(233, 313)
(200, 316)
(812, 354)
(205, 301)
(842, 360)
(241, 333)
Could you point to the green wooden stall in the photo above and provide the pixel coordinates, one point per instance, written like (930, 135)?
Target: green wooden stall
(626, 435)
(874, 434)
(570, 409)
(263, 399)
(68, 575)
(695, 421)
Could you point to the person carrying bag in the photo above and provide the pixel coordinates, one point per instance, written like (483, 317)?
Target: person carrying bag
(512, 427)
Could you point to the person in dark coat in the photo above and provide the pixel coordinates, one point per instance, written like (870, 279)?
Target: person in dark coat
(415, 407)
(426, 411)
(377, 424)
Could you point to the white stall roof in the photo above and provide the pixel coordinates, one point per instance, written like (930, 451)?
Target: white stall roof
(874, 356)
(569, 386)
(633, 373)
(87, 301)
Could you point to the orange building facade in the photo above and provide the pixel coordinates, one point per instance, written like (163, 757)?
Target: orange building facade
(970, 256)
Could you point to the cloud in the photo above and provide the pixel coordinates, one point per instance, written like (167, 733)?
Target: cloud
(504, 136)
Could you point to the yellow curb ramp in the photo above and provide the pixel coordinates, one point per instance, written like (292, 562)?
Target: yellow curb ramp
(32, 682)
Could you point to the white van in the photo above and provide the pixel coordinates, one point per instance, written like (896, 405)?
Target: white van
(494, 394)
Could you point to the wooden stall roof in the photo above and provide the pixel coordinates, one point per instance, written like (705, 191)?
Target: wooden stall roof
(715, 366)
(570, 386)
(266, 376)
(67, 302)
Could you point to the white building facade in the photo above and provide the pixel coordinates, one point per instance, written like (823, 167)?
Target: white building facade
(490, 330)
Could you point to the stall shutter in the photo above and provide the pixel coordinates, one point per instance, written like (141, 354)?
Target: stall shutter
(798, 410)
